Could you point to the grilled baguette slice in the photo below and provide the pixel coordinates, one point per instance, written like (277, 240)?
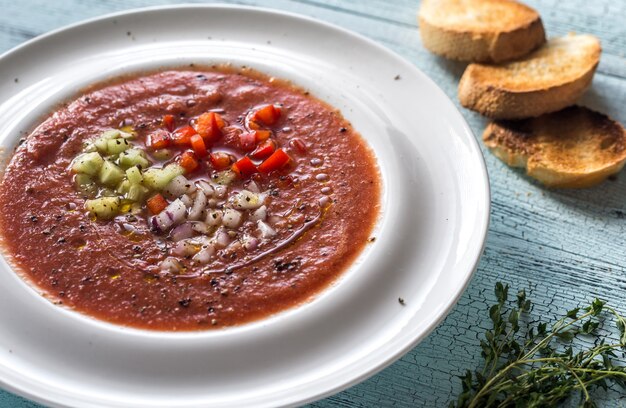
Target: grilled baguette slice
(480, 30)
(572, 148)
(547, 80)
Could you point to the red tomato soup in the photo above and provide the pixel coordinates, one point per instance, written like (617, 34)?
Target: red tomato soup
(188, 199)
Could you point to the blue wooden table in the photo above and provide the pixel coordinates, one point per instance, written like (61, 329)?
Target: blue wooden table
(566, 247)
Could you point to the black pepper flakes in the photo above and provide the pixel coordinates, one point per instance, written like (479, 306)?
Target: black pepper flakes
(282, 266)
(185, 302)
(401, 301)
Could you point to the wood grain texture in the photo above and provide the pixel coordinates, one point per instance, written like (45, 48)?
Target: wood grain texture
(565, 246)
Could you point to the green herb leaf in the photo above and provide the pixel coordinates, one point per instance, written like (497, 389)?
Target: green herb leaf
(532, 366)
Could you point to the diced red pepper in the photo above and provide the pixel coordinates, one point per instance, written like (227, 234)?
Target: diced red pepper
(188, 161)
(169, 122)
(209, 125)
(264, 150)
(267, 114)
(182, 136)
(262, 135)
(247, 141)
(244, 167)
(253, 125)
(198, 146)
(299, 145)
(220, 160)
(156, 204)
(275, 162)
(159, 139)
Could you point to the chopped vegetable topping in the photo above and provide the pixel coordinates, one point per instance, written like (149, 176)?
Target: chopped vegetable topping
(159, 139)
(275, 162)
(244, 167)
(169, 122)
(268, 115)
(182, 136)
(117, 177)
(189, 162)
(247, 141)
(210, 126)
(262, 135)
(264, 150)
(156, 204)
(198, 146)
(220, 160)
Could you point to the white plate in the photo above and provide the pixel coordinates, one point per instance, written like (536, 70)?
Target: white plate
(429, 237)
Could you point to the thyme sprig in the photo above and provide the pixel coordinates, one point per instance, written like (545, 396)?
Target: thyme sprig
(532, 364)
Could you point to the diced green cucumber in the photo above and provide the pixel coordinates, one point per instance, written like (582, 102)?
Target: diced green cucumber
(107, 192)
(85, 185)
(110, 134)
(123, 187)
(127, 132)
(133, 157)
(162, 154)
(158, 179)
(136, 193)
(133, 174)
(110, 174)
(224, 177)
(104, 207)
(88, 163)
(117, 146)
(101, 145)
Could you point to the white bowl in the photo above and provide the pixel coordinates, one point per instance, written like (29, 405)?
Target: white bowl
(429, 237)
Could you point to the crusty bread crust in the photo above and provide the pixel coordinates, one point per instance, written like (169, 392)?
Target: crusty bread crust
(473, 35)
(572, 148)
(547, 80)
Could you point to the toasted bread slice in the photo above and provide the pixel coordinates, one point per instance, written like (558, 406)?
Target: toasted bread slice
(572, 148)
(548, 80)
(480, 30)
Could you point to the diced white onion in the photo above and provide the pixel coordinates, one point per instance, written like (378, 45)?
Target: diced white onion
(185, 248)
(172, 214)
(258, 214)
(214, 218)
(180, 185)
(265, 230)
(221, 239)
(231, 218)
(188, 201)
(200, 240)
(233, 247)
(205, 254)
(220, 191)
(170, 265)
(253, 186)
(198, 205)
(247, 200)
(129, 227)
(200, 227)
(250, 243)
(183, 231)
(206, 187)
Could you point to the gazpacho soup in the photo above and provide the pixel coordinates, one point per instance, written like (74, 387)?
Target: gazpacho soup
(188, 199)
